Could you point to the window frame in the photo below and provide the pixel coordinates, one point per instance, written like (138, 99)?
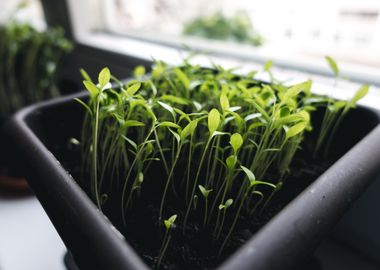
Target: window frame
(94, 34)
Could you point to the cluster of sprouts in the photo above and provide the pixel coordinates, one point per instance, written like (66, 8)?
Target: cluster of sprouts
(218, 144)
(28, 64)
(237, 28)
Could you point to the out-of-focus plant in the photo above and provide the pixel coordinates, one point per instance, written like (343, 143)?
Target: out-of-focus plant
(237, 28)
(28, 64)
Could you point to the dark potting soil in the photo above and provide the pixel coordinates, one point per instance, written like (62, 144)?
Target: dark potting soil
(196, 249)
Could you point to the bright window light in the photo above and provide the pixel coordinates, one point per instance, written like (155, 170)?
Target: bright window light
(29, 11)
(306, 30)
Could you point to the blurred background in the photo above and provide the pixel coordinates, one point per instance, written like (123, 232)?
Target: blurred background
(347, 29)
(296, 34)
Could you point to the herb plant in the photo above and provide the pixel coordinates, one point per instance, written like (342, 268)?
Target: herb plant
(335, 112)
(28, 64)
(206, 144)
(237, 28)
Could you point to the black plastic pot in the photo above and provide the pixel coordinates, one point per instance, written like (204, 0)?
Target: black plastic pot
(11, 177)
(283, 243)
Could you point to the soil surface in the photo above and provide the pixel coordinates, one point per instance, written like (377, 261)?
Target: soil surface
(197, 249)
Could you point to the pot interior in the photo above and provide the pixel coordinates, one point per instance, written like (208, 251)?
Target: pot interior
(60, 121)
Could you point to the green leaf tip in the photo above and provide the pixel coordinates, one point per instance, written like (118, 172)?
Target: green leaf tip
(249, 173)
(170, 222)
(104, 77)
(236, 141)
(131, 90)
(333, 65)
(213, 121)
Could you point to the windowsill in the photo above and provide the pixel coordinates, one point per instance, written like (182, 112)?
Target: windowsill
(286, 69)
(291, 55)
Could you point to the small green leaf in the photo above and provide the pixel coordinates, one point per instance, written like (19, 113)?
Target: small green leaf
(197, 105)
(236, 141)
(132, 143)
(139, 71)
(174, 99)
(204, 191)
(293, 118)
(133, 123)
(173, 218)
(131, 90)
(294, 90)
(170, 222)
(228, 119)
(268, 65)
(153, 87)
(295, 130)
(85, 75)
(224, 102)
(104, 77)
(189, 129)
(234, 108)
(183, 115)
(218, 133)
(362, 92)
(229, 203)
(182, 77)
(333, 65)
(231, 161)
(339, 105)
(149, 149)
(304, 115)
(255, 183)
(167, 224)
(213, 121)
(260, 109)
(252, 116)
(169, 124)
(249, 173)
(176, 135)
(74, 141)
(167, 107)
(140, 178)
(91, 88)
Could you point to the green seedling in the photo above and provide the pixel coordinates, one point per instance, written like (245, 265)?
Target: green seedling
(214, 136)
(205, 193)
(335, 112)
(237, 28)
(29, 61)
(169, 225)
(223, 208)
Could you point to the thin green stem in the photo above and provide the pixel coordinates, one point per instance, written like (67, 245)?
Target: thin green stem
(196, 182)
(168, 181)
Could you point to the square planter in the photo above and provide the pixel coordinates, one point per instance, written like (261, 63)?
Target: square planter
(38, 131)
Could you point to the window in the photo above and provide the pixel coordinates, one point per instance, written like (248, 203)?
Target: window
(296, 34)
(349, 30)
(23, 10)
